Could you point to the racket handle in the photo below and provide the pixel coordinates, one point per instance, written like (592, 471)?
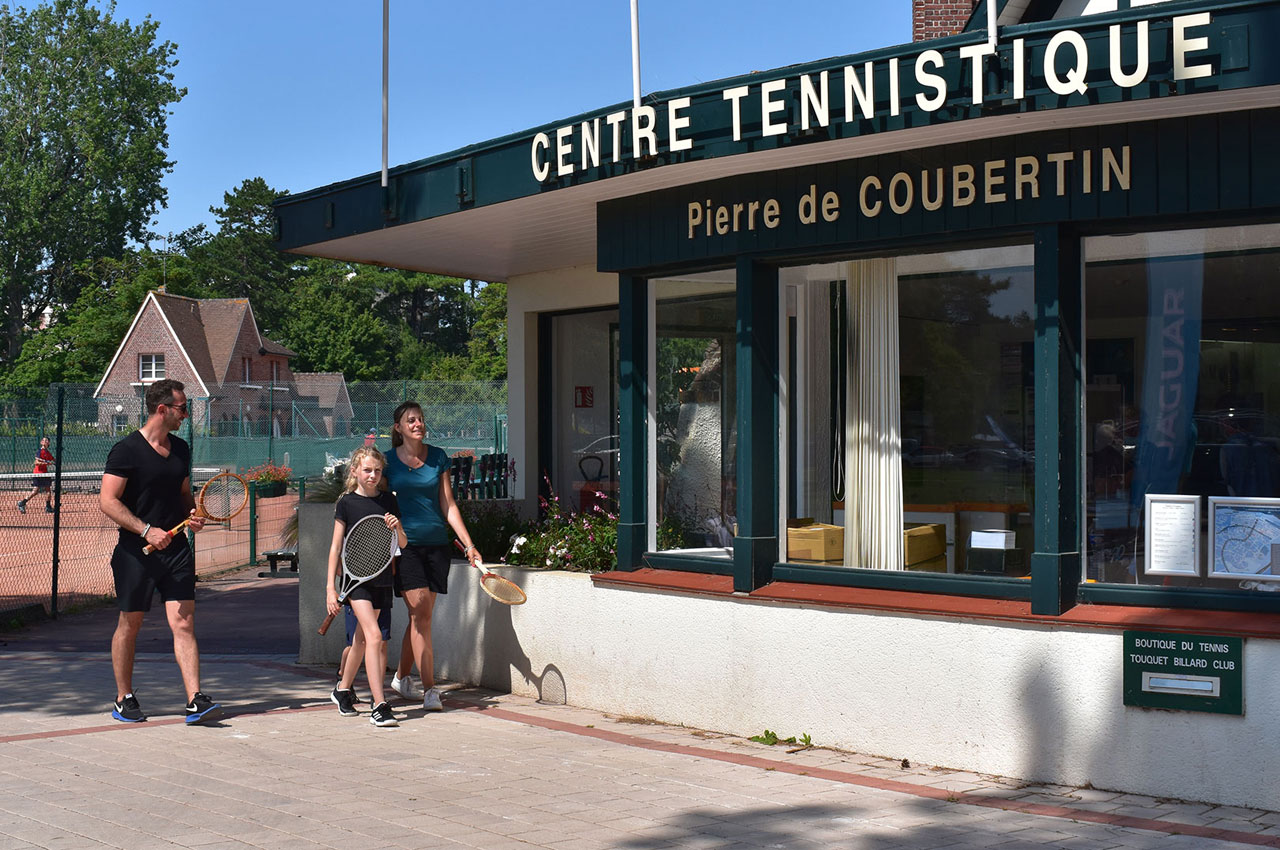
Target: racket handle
(148, 549)
(324, 627)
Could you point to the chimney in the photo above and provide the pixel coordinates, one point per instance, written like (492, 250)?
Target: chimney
(936, 18)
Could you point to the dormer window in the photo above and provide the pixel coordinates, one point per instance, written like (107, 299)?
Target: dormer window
(150, 367)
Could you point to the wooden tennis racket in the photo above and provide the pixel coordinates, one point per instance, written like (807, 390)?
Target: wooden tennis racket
(367, 551)
(503, 590)
(222, 497)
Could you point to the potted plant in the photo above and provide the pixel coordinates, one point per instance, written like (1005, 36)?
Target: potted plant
(269, 479)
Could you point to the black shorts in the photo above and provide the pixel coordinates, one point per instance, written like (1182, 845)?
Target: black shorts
(41, 482)
(172, 571)
(378, 594)
(423, 566)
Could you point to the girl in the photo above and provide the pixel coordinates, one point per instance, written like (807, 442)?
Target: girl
(419, 474)
(366, 496)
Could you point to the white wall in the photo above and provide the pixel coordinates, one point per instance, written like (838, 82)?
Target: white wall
(1040, 703)
(1037, 702)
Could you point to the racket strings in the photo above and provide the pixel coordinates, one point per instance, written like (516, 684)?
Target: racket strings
(502, 589)
(367, 549)
(223, 496)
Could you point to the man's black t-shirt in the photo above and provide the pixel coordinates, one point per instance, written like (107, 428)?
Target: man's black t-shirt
(352, 507)
(154, 483)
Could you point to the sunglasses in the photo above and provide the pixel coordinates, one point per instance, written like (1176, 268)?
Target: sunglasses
(179, 407)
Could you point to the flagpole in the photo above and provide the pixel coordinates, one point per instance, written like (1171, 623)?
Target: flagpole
(635, 53)
(386, 80)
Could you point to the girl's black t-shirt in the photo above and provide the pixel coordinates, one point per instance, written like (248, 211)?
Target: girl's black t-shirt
(153, 487)
(352, 507)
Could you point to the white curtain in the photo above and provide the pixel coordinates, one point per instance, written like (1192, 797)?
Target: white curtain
(873, 440)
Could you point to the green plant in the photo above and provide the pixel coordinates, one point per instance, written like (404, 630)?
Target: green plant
(768, 737)
(493, 524)
(562, 539)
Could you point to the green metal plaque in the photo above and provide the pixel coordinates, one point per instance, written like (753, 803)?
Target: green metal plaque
(1184, 672)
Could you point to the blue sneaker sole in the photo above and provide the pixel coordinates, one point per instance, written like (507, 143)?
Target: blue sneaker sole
(209, 715)
(118, 716)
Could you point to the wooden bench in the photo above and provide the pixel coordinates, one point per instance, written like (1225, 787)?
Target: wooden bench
(276, 558)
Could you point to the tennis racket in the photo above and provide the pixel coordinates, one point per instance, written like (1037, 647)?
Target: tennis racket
(222, 497)
(503, 590)
(366, 552)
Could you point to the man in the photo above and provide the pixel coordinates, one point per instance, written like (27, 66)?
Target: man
(146, 489)
(40, 480)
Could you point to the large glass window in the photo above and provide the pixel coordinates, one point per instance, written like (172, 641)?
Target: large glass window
(910, 413)
(695, 413)
(1182, 408)
(585, 408)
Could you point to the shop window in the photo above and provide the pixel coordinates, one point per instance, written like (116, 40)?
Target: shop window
(911, 407)
(695, 414)
(1182, 409)
(584, 410)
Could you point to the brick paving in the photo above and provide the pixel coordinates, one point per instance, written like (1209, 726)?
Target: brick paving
(284, 770)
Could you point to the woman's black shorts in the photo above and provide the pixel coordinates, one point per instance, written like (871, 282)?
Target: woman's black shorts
(423, 566)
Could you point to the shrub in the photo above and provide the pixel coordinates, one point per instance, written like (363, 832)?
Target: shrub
(564, 540)
(493, 524)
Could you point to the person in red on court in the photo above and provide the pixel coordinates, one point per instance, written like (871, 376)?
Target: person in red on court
(41, 481)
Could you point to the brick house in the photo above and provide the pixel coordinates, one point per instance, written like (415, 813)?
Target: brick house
(238, 381)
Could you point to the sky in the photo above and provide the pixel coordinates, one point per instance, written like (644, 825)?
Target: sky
(291, 90)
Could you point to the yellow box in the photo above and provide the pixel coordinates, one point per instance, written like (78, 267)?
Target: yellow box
(814, 541)
(933, 565)
(923, 542)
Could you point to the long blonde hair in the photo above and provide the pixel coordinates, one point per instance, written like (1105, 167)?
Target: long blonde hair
(354, 464)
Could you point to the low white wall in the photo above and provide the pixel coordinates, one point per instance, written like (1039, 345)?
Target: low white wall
(1041, 703)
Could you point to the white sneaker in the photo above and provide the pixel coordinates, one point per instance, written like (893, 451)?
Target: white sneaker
(431, 701)
(407, 687)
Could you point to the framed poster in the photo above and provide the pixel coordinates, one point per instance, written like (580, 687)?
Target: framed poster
(1172, 535)
(1244, 538)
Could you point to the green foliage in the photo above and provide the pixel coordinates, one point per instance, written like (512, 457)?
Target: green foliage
(564, 540)
(84, 101)
(337, 330)
(77, 346)
(769, 738)
(493, 525)
(240, 260)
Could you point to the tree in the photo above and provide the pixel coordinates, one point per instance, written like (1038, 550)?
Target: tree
(488, 344)
(84, 104)
(241, 260)
(338, 329)
(80, 341)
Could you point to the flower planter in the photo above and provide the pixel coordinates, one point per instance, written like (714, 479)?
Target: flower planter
(268, 489)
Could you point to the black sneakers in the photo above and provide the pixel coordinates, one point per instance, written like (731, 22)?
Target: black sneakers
(382, 716)
(342, 699)
(201, 709)
(22, 506)
(127, 710)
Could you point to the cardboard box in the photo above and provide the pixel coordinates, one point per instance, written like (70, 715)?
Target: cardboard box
(814, 541)
(933, 565)
(923, 542)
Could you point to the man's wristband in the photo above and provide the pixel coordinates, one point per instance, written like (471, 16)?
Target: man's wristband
(144, 531)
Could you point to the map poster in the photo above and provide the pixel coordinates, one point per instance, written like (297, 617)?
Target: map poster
(1244, 538)
(1173, 535)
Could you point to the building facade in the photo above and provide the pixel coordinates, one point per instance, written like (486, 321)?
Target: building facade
(946, 370)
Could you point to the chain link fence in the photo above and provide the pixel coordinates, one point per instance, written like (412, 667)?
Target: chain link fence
(58, 557)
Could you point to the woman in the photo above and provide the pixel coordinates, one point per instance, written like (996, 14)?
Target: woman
(419, 476)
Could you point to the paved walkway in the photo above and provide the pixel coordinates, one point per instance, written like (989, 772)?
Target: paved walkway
(285, 770)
